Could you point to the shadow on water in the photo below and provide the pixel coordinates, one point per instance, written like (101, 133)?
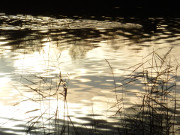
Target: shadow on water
(23, 33)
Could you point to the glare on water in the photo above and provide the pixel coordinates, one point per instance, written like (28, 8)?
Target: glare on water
(36, 50)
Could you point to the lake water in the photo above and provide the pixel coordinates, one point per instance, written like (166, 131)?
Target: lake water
(35, 51)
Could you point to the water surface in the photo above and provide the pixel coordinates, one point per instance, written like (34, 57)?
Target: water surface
(36, 50)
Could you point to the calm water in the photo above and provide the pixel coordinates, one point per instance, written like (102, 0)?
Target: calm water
(34, 50)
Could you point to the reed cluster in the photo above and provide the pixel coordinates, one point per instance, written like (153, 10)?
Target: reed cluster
(156, 113)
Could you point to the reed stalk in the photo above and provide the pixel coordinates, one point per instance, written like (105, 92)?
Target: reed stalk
(156, 113)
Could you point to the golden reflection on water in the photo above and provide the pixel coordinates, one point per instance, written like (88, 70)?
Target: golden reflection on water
(3, 42)
(47, 59)
(83, 61)
(50, 60)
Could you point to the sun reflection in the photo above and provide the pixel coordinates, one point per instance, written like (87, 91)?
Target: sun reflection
(41, 61)
(83, 71)
(78, 49)
(3, 42)
(34, 62)
(4, 81)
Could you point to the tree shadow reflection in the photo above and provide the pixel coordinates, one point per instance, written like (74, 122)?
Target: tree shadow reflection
(134, 31)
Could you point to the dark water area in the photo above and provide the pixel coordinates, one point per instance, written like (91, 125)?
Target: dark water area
(111, 8)
(92, 55)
